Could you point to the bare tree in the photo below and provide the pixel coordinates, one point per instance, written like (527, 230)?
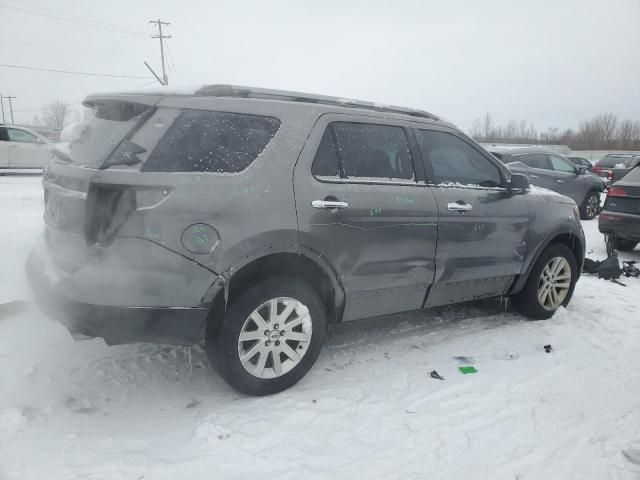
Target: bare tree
(55, 115)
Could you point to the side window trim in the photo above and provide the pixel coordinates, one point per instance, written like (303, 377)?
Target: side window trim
(355, 180)
(338, 153)
(430, 175)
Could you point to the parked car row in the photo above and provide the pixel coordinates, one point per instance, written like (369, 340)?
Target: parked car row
(616, 165)
(255, 217)
(620, 216)
(555, 172)
(21, 147)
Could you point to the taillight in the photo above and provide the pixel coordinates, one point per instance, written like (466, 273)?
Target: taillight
(617, 192)
(595, 168)
(610, 175)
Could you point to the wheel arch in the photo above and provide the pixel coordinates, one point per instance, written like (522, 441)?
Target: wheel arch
(301, 263)
(568, 238)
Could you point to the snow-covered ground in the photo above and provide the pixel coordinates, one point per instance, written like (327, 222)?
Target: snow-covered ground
(368, 409)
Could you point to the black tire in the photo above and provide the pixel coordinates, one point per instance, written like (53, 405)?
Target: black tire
(222, 340)
(592, 198)
(623, 245)
(526, 301)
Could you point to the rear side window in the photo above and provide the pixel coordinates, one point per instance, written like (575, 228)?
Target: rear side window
(364, 150)
(533, 160)
(206, 141)
(454, 160)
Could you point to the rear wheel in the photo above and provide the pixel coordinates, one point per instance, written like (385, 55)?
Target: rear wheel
(550, 284)
(591, 205)
(270, 337)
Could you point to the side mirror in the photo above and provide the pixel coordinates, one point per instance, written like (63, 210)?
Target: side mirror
(581, 169)
(520, 182)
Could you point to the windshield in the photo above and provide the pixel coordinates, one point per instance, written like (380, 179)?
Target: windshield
(110, 124)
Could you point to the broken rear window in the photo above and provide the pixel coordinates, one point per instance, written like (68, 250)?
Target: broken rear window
(112, 121)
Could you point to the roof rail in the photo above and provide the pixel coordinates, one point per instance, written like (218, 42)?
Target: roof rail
(269, 94)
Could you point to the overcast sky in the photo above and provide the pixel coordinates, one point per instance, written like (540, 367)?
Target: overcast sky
(550, 62)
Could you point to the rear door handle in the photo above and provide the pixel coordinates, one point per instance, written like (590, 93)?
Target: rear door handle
(329, 204)
(459, 206)
(560, 181)
(533, 176)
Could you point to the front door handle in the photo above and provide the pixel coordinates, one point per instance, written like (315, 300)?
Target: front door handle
(533, 176)
(560, 181)
(459, 206)
(329, 204)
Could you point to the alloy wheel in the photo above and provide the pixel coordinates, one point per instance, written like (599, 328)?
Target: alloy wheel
(275, 337)
(554, 283)
(593, 202)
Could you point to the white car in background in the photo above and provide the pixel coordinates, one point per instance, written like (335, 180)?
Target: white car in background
(21, 147)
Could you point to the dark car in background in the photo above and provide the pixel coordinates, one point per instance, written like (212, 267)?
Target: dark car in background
(555, 172)
(582, 162)
(620, 216)
(616, 165)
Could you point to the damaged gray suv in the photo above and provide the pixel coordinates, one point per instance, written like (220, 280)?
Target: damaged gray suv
(254, 218)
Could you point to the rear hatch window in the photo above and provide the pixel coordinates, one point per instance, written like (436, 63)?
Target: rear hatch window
(111, 123)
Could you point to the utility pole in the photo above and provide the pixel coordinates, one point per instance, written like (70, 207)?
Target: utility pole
(2, 106)
(11, 108)
(159, 23)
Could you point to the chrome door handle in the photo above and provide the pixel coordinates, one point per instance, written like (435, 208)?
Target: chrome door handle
(328, 204)
(560, 181)
(459, 207)
(533, 176)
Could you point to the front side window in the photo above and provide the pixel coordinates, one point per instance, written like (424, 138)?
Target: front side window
(365, 151)
(559, 164)
(454, 160)
(208, 141)
(21, 136)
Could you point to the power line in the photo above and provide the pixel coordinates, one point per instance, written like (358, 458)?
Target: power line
(173, 65)
(56, 49)
(71, 20)
(71, 72)
(57, 13)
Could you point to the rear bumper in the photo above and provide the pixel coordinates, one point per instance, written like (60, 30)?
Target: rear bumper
(57, 295)
(621, 225)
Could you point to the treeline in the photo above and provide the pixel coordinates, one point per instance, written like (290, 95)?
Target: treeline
(602, 132)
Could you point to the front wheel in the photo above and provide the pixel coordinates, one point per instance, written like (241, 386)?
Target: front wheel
(550, 284)
(270, 337)
(591, 205)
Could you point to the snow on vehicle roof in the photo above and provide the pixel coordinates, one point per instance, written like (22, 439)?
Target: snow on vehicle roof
(182, 90)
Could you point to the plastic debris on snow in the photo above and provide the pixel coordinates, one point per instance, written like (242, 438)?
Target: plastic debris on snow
(467, 369)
